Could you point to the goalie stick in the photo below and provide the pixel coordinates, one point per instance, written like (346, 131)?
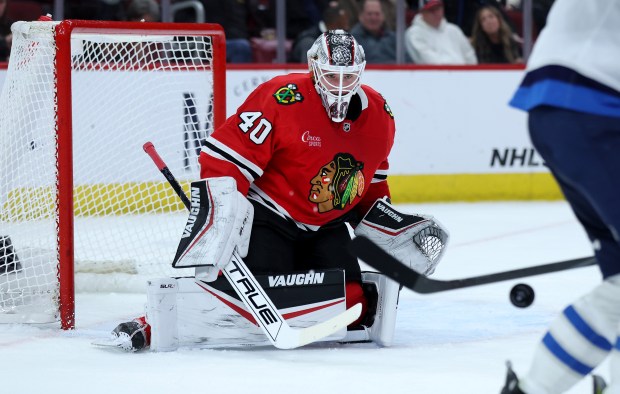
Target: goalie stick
(379, 259)
(267, 316)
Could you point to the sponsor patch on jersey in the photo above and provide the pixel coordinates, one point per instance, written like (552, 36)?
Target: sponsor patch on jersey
(311, 140)
(288, 94)
(337, 184)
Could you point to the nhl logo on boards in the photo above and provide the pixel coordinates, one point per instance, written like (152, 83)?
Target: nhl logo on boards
(346, 126)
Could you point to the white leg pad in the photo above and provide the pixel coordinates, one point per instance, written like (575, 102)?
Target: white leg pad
(382, 329)
(161, 314)
(190, 313)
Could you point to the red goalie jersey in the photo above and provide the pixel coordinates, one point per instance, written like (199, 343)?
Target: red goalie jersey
(286, 153)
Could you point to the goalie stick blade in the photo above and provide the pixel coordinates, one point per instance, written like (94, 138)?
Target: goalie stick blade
(269, 318)
(291, 338)
(379, 259)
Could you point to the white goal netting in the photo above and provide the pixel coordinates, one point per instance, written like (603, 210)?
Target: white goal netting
(127, 86)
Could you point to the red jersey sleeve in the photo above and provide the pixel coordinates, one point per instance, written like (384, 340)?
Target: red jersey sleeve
(244, 144)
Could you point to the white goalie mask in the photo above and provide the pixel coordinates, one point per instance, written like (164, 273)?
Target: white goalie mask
(336, 62)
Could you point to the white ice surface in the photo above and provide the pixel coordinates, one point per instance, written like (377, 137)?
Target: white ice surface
(447, 343)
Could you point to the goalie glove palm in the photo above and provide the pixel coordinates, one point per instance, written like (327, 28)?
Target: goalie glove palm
(418, 241)
(220, 220)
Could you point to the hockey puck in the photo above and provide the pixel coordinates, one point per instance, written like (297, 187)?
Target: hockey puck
(522, 295)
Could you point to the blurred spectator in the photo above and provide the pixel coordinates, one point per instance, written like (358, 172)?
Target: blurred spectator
(107, 10)
(263, 15)
(540, 10)
(389, 10)
(6, 37)
(379, 43)
(334, 17)
(431, 39)
(462, 12)
(492, 38)
(147, 10)
(314, 9)
(352, 8)
(232, 15)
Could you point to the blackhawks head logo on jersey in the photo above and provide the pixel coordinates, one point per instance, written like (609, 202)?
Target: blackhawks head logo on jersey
(337, 183)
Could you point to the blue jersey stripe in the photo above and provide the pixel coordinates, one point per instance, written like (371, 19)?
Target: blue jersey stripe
(558, 351)
(567, 75)
(584, 328)
(617, 346)
(562, 95)
(564, 88)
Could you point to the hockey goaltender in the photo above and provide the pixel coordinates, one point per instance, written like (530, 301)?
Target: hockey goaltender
(268, 220)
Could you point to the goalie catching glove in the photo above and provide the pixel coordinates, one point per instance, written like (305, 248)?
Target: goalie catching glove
(220, 220)
(418, 241)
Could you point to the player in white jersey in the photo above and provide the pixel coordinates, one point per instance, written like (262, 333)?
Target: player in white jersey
(572, 93)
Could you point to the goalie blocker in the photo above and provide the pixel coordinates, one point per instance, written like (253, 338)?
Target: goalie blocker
(220, 220)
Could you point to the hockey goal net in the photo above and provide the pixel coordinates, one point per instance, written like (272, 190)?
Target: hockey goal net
(79, 198)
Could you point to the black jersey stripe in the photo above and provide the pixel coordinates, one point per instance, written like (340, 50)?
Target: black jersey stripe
(232, 159)
(255, 194)
(379, 177)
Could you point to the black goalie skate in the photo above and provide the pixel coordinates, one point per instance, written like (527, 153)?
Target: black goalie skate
(129, 336)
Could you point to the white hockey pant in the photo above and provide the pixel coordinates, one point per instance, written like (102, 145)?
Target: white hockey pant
(578, 340)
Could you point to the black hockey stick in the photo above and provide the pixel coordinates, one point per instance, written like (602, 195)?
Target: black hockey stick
(150, 150)
(267, 316)
(379, 259)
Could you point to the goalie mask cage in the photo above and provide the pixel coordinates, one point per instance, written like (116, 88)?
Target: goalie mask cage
(79, 198)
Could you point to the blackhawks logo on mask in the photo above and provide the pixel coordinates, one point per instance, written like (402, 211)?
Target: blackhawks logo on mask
(288, 94)
(337, 183)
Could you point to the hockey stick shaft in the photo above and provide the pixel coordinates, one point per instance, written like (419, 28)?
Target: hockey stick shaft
(150, 150)
(379, 259)
(267, 316)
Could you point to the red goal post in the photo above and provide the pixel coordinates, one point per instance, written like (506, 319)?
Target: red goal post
(79, 100)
